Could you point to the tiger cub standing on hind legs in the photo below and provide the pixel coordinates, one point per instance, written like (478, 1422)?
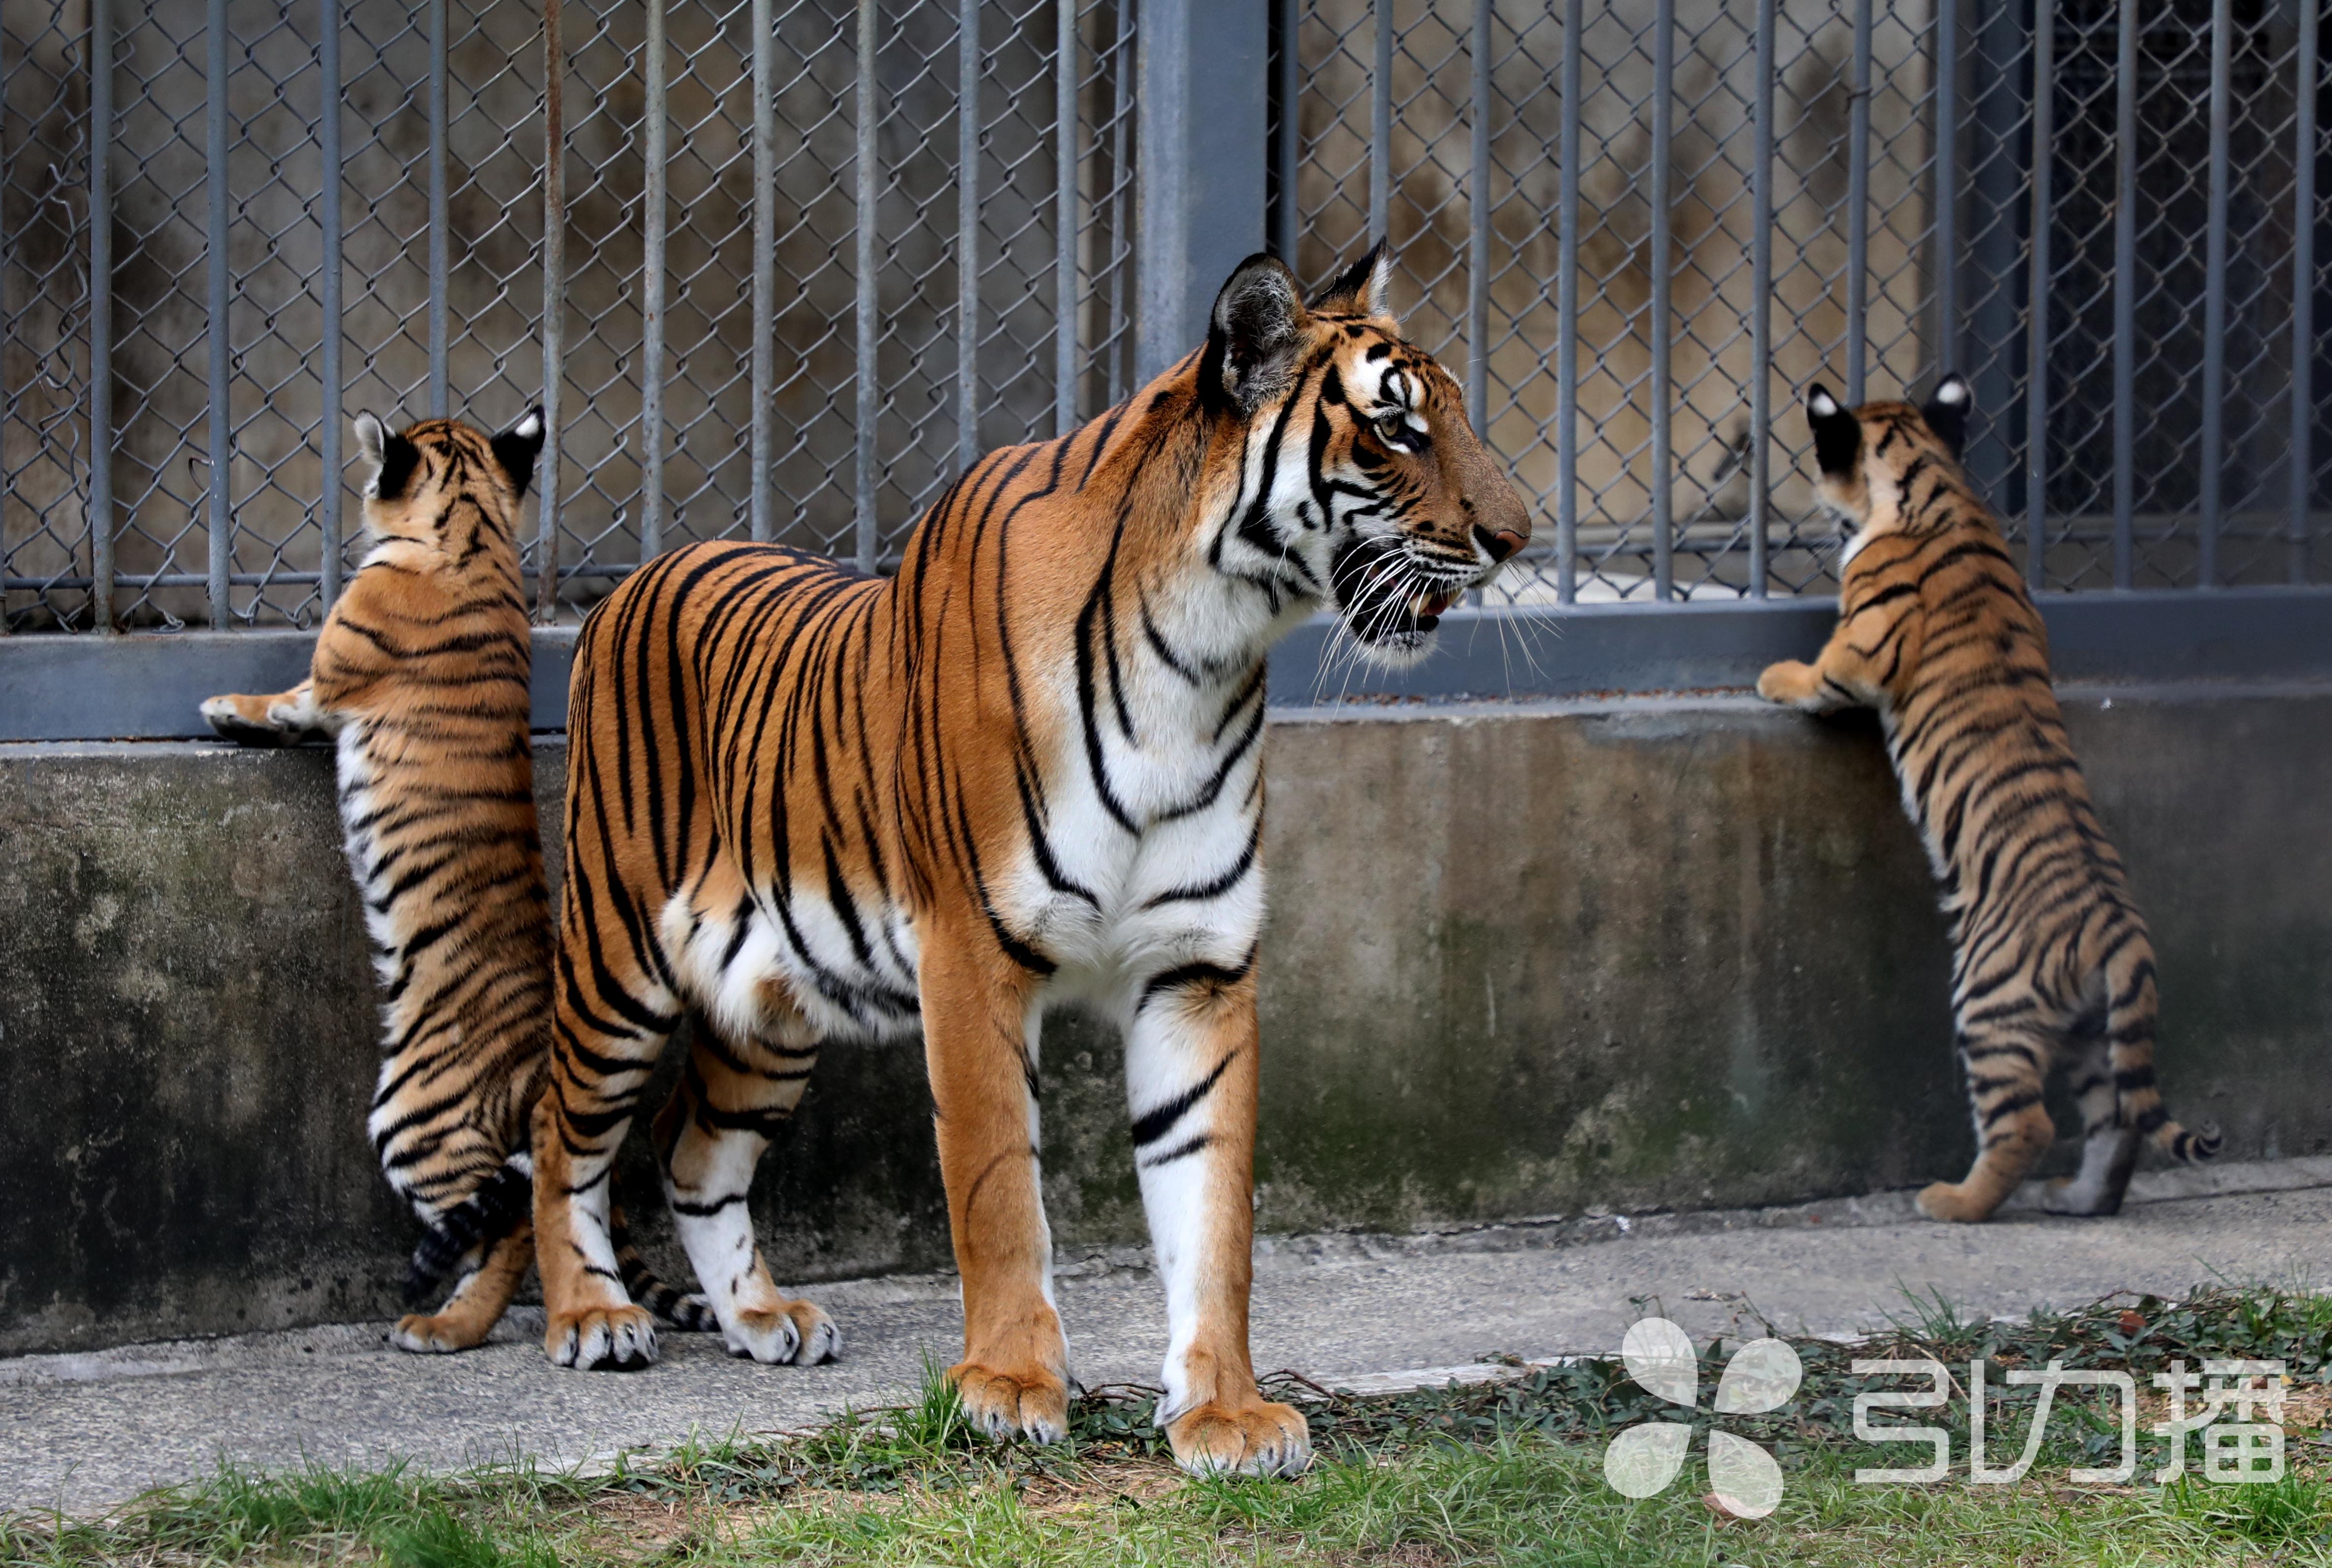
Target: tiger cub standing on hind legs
(2052, 962)
(420, 678)
(805, 804)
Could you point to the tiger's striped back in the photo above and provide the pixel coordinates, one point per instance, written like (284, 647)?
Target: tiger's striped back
(2052, 960)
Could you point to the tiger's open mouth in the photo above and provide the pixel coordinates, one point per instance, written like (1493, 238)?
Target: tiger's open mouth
(1389, 602)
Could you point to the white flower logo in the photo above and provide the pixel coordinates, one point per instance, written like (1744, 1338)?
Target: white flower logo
(1762, 1376)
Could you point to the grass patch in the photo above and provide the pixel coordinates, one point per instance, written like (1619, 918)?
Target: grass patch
(1507, 1472)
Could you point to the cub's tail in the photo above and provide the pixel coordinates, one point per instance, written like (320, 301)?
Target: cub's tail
(497, 1208)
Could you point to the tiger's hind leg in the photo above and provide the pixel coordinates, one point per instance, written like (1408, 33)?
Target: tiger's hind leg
(477, 1303)
(2007, 1063)
(734, 1094)
(281, 719)
(2108, 1147)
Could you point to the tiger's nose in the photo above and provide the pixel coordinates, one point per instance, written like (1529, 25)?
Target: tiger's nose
(1500, 545)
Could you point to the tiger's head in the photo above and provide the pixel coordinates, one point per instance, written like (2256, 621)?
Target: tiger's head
(417, 473)
(1871, 458)
(1361, 484)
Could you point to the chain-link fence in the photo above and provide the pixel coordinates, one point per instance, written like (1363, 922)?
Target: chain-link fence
(893, 274)
(810, 256)
(1643, 247)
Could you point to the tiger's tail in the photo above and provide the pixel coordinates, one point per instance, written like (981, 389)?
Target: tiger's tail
(2130, 1010)
(502, 1203)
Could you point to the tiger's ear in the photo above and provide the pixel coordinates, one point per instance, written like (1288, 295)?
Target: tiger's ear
(1363, 289)
(1838, 433)
(1252, 335)
(392, 458)
(1947, 411)
(517, 448)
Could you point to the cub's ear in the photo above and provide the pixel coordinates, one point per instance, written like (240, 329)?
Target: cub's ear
(1363, 289)
(1838, 433)
(1947, 411)
(1252, 335)
(392, 458)
(518, 447)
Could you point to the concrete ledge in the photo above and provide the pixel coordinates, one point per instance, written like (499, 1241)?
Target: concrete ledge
(147, 687)
(1524, 958)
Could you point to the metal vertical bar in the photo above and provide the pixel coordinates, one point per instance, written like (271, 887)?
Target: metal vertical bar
(1477, 270)
(327, 148)
(2303, 290)
(967, 243)
(867, 175)
(652, 288)
(2036, 367)
(1947, 184)
(220, 340)
(1065, 219)
(1123, 202)
(765, 271)
(1380, 126)
(1761, 294)
(1291, 128)
(100, 314)
(2125, 298)
(1663, 153)
(440, 258)
(554, 304)
(1566, 316)
(1858, 211)
(2214, 299)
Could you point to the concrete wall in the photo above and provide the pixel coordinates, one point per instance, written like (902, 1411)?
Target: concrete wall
(1523, 959)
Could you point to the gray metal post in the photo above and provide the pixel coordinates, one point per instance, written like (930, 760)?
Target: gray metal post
(1858, 211)
(967, 240)
(2305, 68)
(2125, 302)
(1660, 328)
(1566, 319)
(652, 288)
(1381, 126)
(2214, 299)
(866, 176)
(440, 242)
(554, 306)
(1478, 262)
(2036, 380)
(1064, 219)
(1947, 185)
(100, 314)
(332, 489)
(765, 269)
(220, 341)
(1289, 236)
(1201, 136)
(1760, 322)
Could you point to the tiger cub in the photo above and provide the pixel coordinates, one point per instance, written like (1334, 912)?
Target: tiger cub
(420, 676)
(2051, 961)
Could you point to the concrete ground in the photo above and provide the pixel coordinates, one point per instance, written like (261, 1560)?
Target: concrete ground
(80, 1431)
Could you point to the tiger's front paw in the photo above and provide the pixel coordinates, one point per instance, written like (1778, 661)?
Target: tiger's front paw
(243, 720)
(438, 1332)
(601, 1339)
(1260, 1439)
(797, 1332)
(1953, 1201)
(1026, 1402)
(1793, 681)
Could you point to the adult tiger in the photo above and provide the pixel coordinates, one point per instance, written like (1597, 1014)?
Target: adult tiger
(420, 676)
(806, 804)
(2050, 959)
